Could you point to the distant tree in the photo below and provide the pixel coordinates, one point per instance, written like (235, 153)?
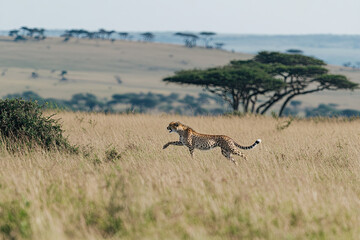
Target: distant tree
(207, 38)
(295, 103)
(347, 64)
(350, 113)
(123, 35)
(109, 33)
(62, 74)
(102, 33)
(66, 39)
(19, 38)
(66, 35)
(188, 100)
(325, 110)
(41, 31)
(148, 36)
(27, 95)
(38, 34)
(296, 51)
(141, 101)
(25, 33)
(301, 75)
(13, 33)
(82, 33)
(172, 97)
(219, 45)
(85, 102)
(34, 75)
(294, 110)
(89, 35)
(118, 79)
(147, 101)
(77, 33)
(189, 39)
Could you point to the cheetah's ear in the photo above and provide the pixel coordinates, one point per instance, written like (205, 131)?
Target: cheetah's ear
(176, 124)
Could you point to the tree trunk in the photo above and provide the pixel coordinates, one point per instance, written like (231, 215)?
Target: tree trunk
(246, 105)
(236, 100)
(235, 105)
(292, 96)
(285, 103)
(270, 103)
(253, 103)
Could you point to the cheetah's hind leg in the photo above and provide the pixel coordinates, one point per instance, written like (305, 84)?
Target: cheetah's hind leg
(227, 155)
(237, 152)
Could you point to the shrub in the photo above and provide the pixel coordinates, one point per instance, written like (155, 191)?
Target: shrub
(111, 155)
(22, 124)
(15, 220)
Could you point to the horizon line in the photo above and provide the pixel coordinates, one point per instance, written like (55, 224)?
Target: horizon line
(190, 31)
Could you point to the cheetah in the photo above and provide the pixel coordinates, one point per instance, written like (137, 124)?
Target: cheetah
(193, 139)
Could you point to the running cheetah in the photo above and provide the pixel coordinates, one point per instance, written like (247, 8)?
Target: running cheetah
(192, 140)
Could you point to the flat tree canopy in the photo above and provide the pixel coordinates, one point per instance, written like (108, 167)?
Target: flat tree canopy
(236, 84)
(271, 77)
(301, 75)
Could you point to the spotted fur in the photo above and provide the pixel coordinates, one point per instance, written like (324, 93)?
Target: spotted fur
(193, 139)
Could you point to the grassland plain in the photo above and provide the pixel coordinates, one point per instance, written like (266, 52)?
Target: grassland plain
(301, 182)
(94, 66)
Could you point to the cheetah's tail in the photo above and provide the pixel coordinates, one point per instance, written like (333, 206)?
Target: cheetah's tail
(249, 147)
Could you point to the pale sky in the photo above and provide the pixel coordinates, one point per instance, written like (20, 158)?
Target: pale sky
(221, 16)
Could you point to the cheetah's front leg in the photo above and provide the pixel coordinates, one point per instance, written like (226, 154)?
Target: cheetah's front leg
(191, 149)
(176, 143)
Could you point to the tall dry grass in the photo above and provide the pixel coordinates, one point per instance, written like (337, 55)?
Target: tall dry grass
(301, 182)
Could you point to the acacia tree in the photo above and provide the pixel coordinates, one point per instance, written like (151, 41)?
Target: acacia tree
(13, 33)
(25, 33)
(219, 45)
(123, 35)
(109, 33)
(207, 37)
(271, 76)
(189, 39)
(39, 33)
(301, 75)
(239, 84)
(148, 36)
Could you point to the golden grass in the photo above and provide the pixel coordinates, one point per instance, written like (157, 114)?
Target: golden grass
(301, 182)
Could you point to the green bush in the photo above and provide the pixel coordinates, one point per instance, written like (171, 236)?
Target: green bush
(22, 124)
(111, 155)
(15, 220)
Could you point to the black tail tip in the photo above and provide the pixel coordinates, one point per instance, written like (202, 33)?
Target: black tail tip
(258, 141)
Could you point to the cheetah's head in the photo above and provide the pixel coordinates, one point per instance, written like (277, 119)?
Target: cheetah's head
(175, 127)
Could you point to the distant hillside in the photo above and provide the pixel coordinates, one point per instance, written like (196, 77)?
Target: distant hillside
(53, 68)
(334, 49)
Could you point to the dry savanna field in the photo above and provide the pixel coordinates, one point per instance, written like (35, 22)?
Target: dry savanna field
(301, 182)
